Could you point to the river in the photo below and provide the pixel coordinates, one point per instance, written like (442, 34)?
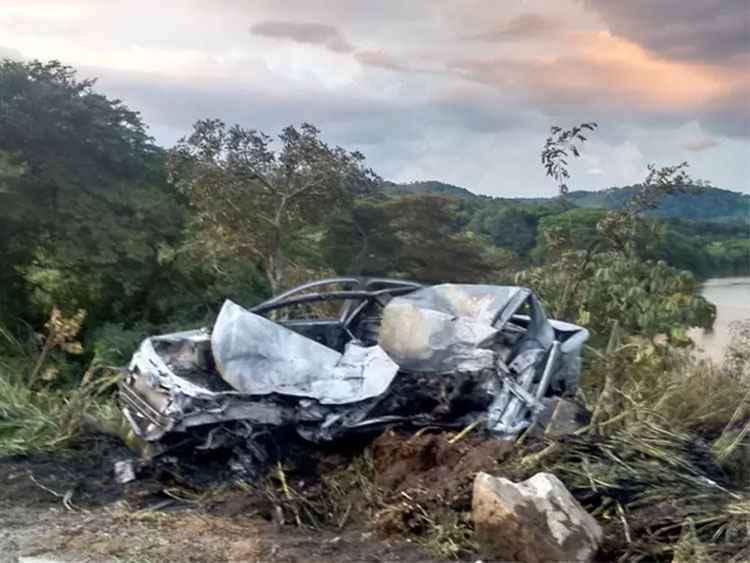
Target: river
(732, 299)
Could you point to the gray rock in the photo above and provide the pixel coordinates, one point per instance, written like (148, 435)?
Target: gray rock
(125, 471)
(535, 521)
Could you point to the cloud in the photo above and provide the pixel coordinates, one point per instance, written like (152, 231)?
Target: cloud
(13, 54)
(730, 114)
(459, 90)
(710, 30)
(380, 59)
(701, 145)
(323, 35)
(601, 73)
(42, 19)
(359, 113)
(524, 26)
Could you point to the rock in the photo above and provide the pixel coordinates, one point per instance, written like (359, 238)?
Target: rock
(125, 471)
(535, 521)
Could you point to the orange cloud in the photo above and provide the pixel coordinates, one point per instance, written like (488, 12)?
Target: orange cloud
(608, 71)
(380, 59)
(701, 145)
(630, 69)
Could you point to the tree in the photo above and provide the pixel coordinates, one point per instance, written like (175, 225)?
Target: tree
(254, 200)
(432, 251)
(562, 144)
(510, 226)
(645, 297)
(362, 241)
(68, 158)
(610, 277)
(628, 228)
(66, 135)
(574, 229)
(413, 237)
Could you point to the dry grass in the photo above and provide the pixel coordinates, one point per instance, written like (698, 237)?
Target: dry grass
(350, 495)
(330, 502)
(648, 485)
(664, 463)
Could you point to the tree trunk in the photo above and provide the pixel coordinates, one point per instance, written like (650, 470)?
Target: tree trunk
(273, 263)
(272, 273)
(359, 260)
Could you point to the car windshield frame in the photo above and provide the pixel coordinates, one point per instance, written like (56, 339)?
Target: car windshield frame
(361, 292)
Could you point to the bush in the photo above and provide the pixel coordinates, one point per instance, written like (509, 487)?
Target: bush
(49, 412)
(113, 344)
(645, 298)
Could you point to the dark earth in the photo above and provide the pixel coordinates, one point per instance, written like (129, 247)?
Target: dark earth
(395, 506)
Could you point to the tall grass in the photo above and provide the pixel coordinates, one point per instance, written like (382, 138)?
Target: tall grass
(665, 463)
(649, 485)
(48, 415)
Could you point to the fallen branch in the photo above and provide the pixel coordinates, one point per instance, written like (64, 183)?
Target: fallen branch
(287, 492)
(466, 431)
(66, 497)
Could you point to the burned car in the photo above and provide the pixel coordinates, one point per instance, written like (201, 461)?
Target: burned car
(345, 355)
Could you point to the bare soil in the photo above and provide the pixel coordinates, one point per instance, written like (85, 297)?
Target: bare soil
(68, 507)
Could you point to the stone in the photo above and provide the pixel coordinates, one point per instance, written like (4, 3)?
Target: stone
(534, 521)
(125, 471)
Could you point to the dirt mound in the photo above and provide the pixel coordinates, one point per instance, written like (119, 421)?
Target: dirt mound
(432, 463)
(425, 482)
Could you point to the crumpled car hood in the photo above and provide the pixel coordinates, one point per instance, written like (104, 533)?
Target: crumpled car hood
(257, 356)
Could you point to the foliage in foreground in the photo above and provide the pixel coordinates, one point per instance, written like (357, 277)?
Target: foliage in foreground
(45, 419)
(42, 406)
(659, 493)
(663, 464)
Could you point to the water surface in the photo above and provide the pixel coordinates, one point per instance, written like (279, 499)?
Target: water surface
(732, 299)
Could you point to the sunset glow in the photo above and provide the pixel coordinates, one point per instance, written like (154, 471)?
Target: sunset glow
(440, 76)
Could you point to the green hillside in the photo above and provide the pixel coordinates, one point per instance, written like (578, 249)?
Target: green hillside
(707, 233)
(432, 187)
(711, 204)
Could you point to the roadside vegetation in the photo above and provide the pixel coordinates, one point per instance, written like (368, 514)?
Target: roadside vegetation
(106, 238)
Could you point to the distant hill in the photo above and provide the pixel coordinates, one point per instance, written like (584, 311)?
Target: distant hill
(432, 187)
(711, 204)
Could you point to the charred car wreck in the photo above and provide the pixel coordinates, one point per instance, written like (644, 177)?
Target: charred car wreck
(346, 355)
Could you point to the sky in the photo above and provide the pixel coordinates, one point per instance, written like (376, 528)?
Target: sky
(462, 91)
